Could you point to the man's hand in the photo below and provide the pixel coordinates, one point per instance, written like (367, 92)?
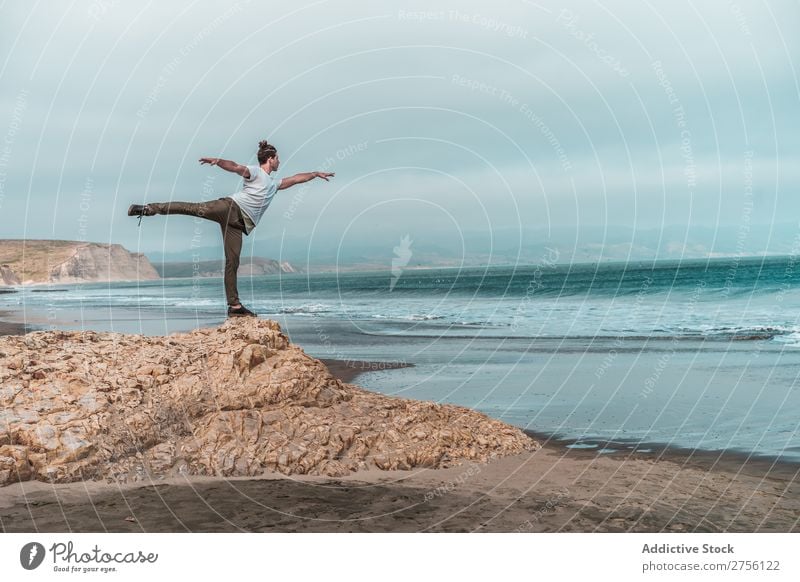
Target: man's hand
(324, 175)
(212, 161)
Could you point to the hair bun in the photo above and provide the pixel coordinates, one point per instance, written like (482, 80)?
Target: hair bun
(263, 144)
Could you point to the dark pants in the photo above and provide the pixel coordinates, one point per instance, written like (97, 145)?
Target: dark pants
(226, 213)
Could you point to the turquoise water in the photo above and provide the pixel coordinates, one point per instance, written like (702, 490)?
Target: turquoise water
(700, 354)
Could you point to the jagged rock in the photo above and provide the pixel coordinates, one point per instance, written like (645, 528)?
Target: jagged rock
(233, 401)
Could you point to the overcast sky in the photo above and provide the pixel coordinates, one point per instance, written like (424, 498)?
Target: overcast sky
(445, 121)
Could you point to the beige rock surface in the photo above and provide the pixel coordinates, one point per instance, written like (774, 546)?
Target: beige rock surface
(238, 400)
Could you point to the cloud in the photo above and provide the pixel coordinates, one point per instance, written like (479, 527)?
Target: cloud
(493, 115)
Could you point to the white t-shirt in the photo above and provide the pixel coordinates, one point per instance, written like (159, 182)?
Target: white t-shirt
(256, 194)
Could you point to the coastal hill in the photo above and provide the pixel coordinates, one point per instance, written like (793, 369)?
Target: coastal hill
(61, 261)
(248, 267)
(237, 400)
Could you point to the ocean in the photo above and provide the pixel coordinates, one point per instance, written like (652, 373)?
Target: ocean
(613, 357)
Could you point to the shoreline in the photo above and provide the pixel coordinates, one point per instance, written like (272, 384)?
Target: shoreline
(349, 370)
(725, 460)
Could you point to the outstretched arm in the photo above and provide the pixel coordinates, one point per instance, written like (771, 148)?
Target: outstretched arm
(304, 177)
(228, 166)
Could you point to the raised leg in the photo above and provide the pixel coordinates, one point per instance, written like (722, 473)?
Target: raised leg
(216, 210)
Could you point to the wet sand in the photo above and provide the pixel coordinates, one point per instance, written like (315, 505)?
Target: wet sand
(12, 328)
(348, 370)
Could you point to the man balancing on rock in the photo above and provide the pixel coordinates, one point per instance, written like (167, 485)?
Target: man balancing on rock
(238, 213)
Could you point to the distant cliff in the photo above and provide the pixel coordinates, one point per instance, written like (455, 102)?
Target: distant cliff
(249, 266)
(8, 276)
(61, 261)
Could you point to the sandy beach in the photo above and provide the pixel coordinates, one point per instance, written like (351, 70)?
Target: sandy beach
(551, 490)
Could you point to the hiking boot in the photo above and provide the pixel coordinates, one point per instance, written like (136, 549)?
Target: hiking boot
(139, 210)
(240, 311)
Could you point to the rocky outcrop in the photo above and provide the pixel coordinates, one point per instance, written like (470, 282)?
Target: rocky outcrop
(7, 276)
(238, 400)
(58, 261)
